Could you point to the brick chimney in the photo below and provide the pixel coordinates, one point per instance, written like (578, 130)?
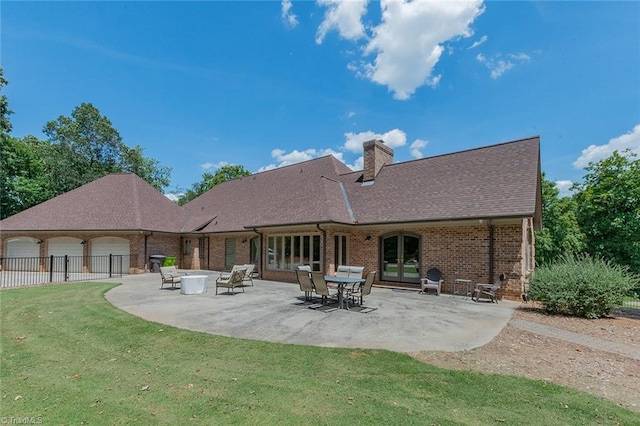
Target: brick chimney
(376, 155)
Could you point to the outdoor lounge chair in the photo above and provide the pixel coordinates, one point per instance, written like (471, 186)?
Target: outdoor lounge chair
(361, 290)
(304, 279)
(488, 290)
(231, 281)
(320, 286)
(248, 275)
(432, 281)
(169, 275)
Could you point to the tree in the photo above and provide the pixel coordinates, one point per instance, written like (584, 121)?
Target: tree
(86, 146)
(81, 148)
(148, 169)
(560, 234)
(24, 181)
(608, 209)
(5, 112)
(209, 180)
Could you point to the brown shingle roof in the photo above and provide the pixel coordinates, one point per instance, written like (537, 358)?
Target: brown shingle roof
(494, 181)
(307, 192)
(113, 202)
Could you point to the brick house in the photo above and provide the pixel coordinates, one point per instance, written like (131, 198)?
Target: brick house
(470, 214)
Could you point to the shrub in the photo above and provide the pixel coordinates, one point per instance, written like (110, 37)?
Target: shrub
(169, 261)
(583, 286)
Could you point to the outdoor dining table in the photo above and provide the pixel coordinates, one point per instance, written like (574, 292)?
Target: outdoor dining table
(342, 282)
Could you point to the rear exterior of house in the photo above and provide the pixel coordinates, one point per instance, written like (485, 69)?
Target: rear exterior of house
(470, 214)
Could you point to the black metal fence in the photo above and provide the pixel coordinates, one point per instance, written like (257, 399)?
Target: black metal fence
(24, 271)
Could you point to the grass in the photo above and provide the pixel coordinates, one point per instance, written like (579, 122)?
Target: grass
(68, 356)
(631, 302)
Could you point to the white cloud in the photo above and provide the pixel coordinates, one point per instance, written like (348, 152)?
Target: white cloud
(499, 65)
(564, 187)
(284, 158)
(209, 166)
(408, 42)
(174, 196)
(592, 153)
(288, 17)
(343, 16)
(416, 148)
(393, 138)
(357, 165)
(478, 42)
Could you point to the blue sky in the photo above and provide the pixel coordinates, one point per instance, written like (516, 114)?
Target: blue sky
(265, 84)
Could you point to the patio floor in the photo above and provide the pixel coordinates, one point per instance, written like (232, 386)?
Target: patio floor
(397, 320)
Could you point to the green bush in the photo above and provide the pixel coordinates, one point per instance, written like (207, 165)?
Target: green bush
(169, 261)
(584, 286)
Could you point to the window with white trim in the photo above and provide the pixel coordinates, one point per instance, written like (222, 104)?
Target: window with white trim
(287, 252)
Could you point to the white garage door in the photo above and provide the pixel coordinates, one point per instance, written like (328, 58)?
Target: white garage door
(66, 246)
(101, 248)
(23, 254)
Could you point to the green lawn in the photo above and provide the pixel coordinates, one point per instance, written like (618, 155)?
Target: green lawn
(631, 302)
(70, 357)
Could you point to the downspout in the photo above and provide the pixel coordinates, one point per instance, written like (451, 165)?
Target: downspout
(208, 252)
(181, 251)
(324, 247)
(146, 257)
(491, 244)
(145, 253)
(260, 254)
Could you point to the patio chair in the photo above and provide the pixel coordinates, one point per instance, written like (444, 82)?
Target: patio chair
(320, 286)
(248, 273)
(349, 271)
(169, 275)
(305, 283)
(488, 290)
(361, 290)
(432, 281)
(231, 281)
(304, 268)
(342, 271)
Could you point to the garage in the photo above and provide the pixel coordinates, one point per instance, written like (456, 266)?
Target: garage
(101, 248)
(23, 254)
(66, 246)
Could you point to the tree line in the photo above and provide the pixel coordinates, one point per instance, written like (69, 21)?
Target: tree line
(79, 148)
(601, 218)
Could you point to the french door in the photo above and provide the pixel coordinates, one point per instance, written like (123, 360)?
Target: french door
(400, 257)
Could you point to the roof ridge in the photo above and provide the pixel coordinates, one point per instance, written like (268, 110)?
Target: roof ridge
(296, 164)
(479, 148)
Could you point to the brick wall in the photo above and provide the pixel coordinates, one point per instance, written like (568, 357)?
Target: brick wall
(458, 251)
(156, 244)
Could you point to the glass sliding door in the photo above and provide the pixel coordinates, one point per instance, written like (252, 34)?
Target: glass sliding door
(400, 257)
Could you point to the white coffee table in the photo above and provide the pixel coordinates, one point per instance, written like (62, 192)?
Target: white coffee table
(193, 284)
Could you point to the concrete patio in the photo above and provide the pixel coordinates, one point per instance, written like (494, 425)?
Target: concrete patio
(397, 320)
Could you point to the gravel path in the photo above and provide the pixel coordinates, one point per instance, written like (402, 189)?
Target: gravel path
(632, 351)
